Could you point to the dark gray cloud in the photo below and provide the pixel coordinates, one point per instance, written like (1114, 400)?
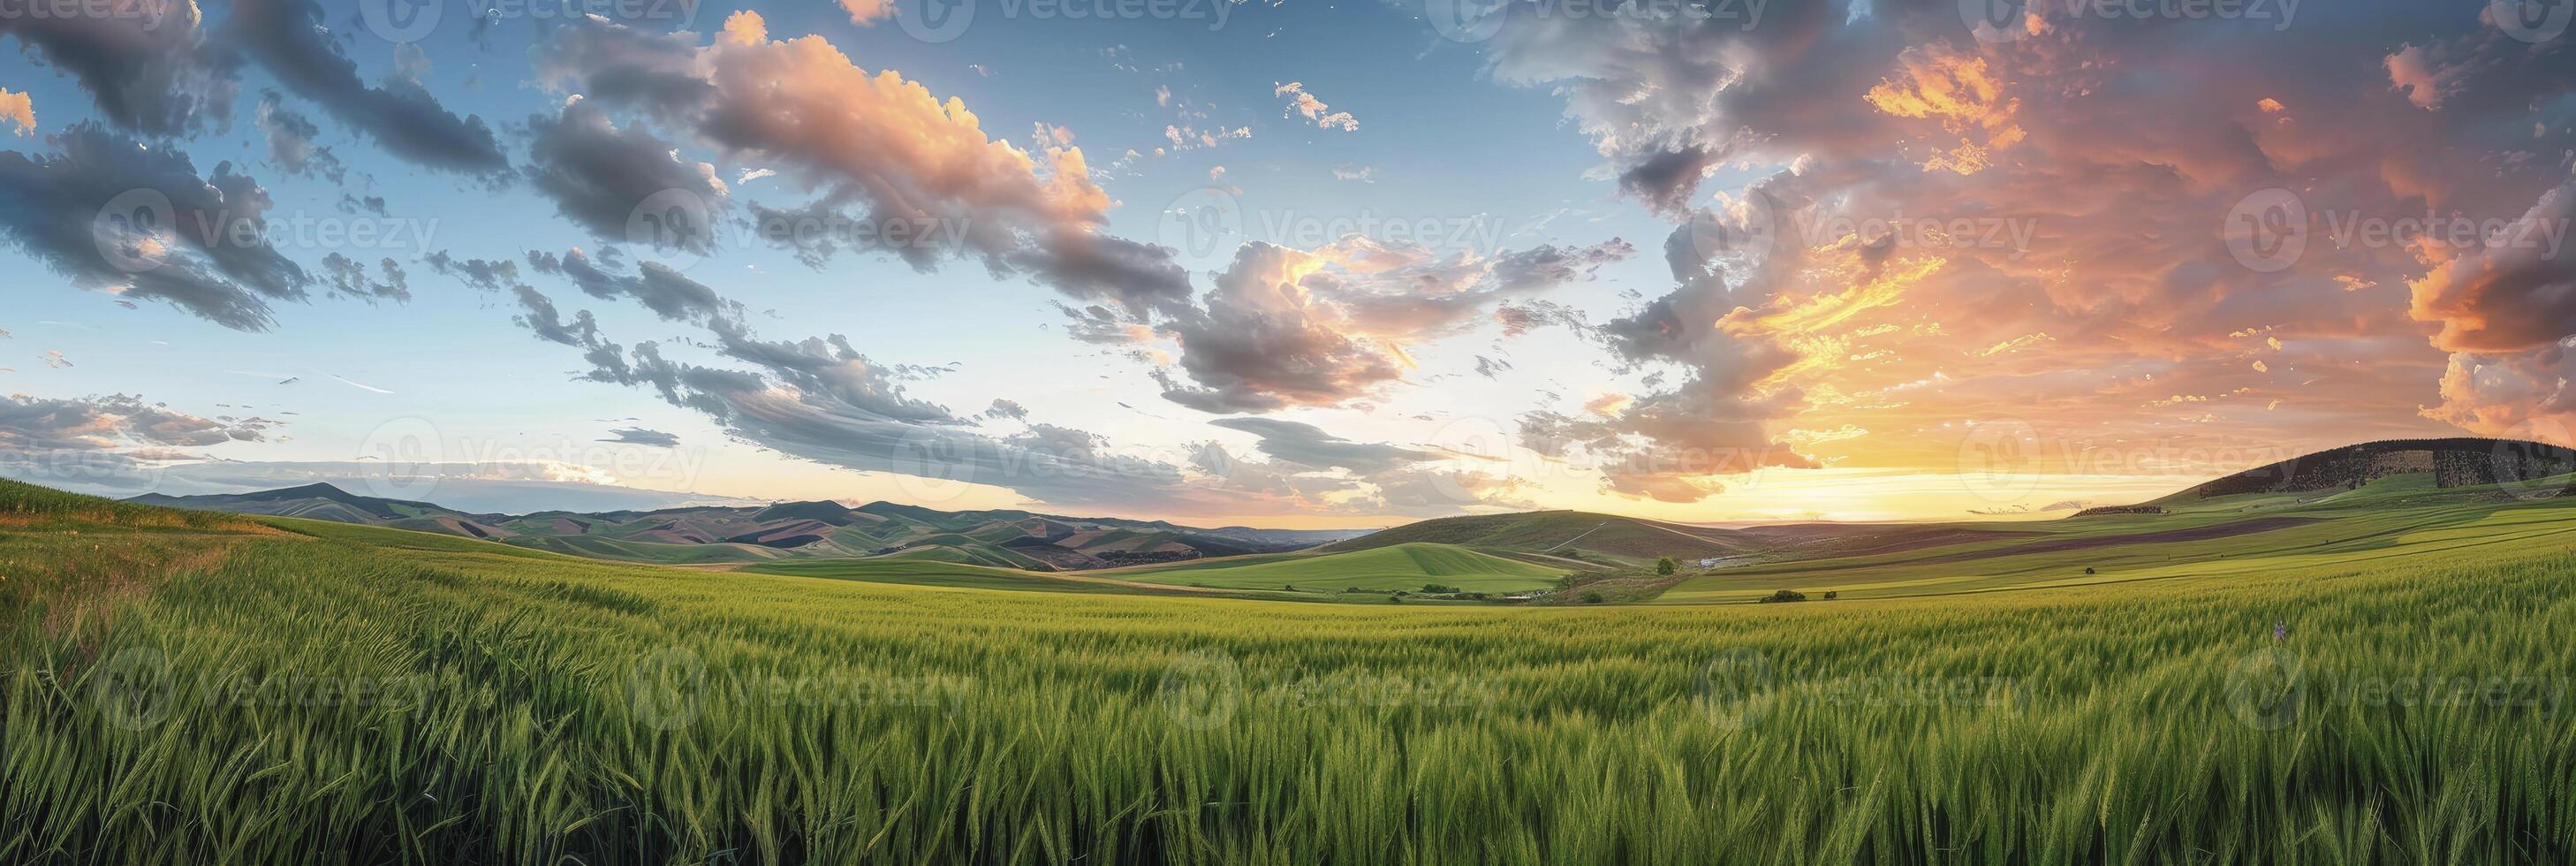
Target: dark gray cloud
(1287, 327)
(292, 40)
(643, 436)
(655, 285)
(1308, 445)
(115, 214)
(350, 278)
(147, 65)
(290, 141)
(599, 176)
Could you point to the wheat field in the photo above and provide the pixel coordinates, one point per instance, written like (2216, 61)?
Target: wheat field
(280, 692)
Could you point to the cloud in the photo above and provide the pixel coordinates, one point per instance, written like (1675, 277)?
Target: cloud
(2506, 309)
(1309, 446)
(601, 177)
(877, 143)
(149, 69)
(347, 277)
(2514, 292)
(292, 39)
(1287, 327)
(1264, 341)
(30, 424)
(643, 436)
(290, 141)
(1926, 197)
(69, 443)
(18, 110)
(655, 285)
(1302, 102)
(868, 12)
(113, 214)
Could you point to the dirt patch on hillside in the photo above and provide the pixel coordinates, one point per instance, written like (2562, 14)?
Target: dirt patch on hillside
(2197, 533)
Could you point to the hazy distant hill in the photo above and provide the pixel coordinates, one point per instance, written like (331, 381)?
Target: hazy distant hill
(1009, 538)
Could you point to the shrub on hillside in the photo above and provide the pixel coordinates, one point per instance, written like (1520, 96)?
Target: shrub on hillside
(1786, 595)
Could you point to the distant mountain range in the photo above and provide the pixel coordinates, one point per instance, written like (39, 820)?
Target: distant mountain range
(710, 534)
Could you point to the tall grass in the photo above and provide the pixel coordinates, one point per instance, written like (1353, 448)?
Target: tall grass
(293, 700)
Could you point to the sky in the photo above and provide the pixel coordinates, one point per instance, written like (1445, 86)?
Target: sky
(1293, 264)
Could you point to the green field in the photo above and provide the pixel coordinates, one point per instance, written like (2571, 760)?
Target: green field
(1404, 566)
(2394, 520)
(183, 688)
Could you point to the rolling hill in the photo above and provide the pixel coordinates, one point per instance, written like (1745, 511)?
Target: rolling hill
(790, 530)
(1408, 566)
(2454, 462)
(1600, 538)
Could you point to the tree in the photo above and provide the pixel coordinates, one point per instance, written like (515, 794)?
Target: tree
(1666, 565)
(1593, 597)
